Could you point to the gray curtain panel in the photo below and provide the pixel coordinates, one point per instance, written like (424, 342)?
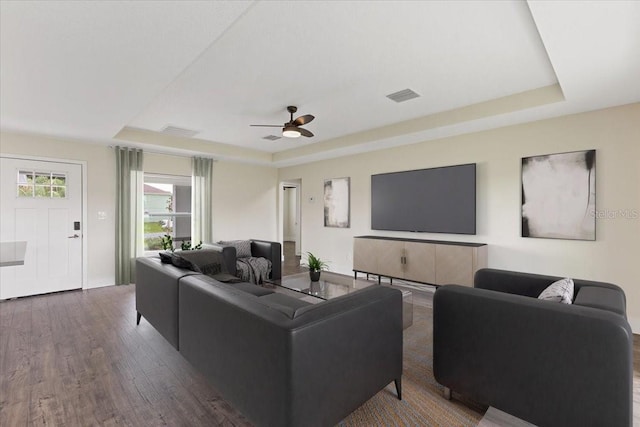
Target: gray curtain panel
(201, 200)
(129, 213)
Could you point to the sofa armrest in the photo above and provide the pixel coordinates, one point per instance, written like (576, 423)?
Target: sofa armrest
(228, 255)
(545, 362)
(602, 298)
(271, 251)
(527, 284)
(350, 346)
(157, 295)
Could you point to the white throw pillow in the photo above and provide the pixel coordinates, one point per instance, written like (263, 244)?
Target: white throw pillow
(560, 291)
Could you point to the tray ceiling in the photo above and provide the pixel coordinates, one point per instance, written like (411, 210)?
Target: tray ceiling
(124, 71)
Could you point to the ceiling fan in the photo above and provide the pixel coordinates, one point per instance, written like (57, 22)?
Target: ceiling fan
(292, 128)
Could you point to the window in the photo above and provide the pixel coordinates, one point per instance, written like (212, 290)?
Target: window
(42, 184)
(167, 210)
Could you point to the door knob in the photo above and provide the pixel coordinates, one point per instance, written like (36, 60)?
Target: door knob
(75, 236)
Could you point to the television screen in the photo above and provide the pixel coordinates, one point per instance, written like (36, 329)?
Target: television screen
(438, 200)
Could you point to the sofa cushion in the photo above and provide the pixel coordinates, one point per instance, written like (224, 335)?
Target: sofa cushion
(249, 292)
(225, 278)
(252, 289)
(603, 298)
(286, 304)
(559, 291)
(243, 247)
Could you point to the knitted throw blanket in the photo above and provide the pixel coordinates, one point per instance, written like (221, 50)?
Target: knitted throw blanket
(253, 270)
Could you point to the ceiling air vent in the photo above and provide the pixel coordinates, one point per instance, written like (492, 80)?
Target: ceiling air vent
(403, 95)
(271, 137)
(177, 131)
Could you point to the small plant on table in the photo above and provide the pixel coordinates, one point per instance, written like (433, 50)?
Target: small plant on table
(315, 266)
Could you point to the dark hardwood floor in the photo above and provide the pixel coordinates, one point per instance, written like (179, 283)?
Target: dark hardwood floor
(291, 264)
(77, 358)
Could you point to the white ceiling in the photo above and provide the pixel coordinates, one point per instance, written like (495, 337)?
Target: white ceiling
(88, 70)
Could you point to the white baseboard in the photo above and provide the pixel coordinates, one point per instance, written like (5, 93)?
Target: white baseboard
(635, 324)
(99, 284)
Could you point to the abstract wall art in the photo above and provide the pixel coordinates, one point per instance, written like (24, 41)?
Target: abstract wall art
(337, 212)
(559, 196)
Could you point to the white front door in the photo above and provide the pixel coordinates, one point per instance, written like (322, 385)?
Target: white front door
(42, 205)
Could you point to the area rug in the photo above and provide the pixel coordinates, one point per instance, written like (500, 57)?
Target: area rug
(422, 401)
(496, 418)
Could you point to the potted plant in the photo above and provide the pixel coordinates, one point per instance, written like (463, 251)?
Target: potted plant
(167, 244)
(315, 266)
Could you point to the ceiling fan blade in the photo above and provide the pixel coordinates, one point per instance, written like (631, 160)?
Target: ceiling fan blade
(303, 120)
(268, 126)
(305, 132)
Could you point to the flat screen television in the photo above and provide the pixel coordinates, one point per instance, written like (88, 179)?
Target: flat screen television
(437, 200)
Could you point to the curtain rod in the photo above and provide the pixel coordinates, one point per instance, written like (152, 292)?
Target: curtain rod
(164, 153)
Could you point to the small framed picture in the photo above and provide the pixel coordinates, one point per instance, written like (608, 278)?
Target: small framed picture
(337, 209)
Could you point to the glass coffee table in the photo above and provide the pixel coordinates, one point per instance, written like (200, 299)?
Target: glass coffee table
(332, 285)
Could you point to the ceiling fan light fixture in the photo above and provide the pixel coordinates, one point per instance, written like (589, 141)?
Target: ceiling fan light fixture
(290, 132)
(293, 128)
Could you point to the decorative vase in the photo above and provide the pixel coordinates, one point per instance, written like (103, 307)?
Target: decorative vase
(314, 275)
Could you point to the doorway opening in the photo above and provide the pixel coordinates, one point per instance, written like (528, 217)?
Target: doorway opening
(291, 226)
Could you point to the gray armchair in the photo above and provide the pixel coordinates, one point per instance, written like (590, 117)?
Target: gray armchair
(548, 363)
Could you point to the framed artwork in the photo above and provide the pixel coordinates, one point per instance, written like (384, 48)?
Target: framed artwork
(559, 196)
(337, 209)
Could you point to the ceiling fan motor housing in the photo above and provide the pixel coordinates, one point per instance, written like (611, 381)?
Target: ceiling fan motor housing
(292, 128)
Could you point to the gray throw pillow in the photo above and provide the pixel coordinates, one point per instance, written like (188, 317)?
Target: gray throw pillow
(179, 261)
(243, 247)
(205, 261)
(560, 291)
(166, 257)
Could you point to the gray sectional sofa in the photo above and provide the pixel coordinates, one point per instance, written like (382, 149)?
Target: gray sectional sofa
(548, 363)
(157, 283)
(279, 360)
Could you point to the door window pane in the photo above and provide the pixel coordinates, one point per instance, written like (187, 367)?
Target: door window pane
(43, 178)
(25, 177)
(42, 191)
(59, 180)
(41, 184)
(58, 192)
(25, 190)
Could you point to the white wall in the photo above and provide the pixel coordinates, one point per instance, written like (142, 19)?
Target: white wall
(244, 195)
(614, 133)
(244, 201)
